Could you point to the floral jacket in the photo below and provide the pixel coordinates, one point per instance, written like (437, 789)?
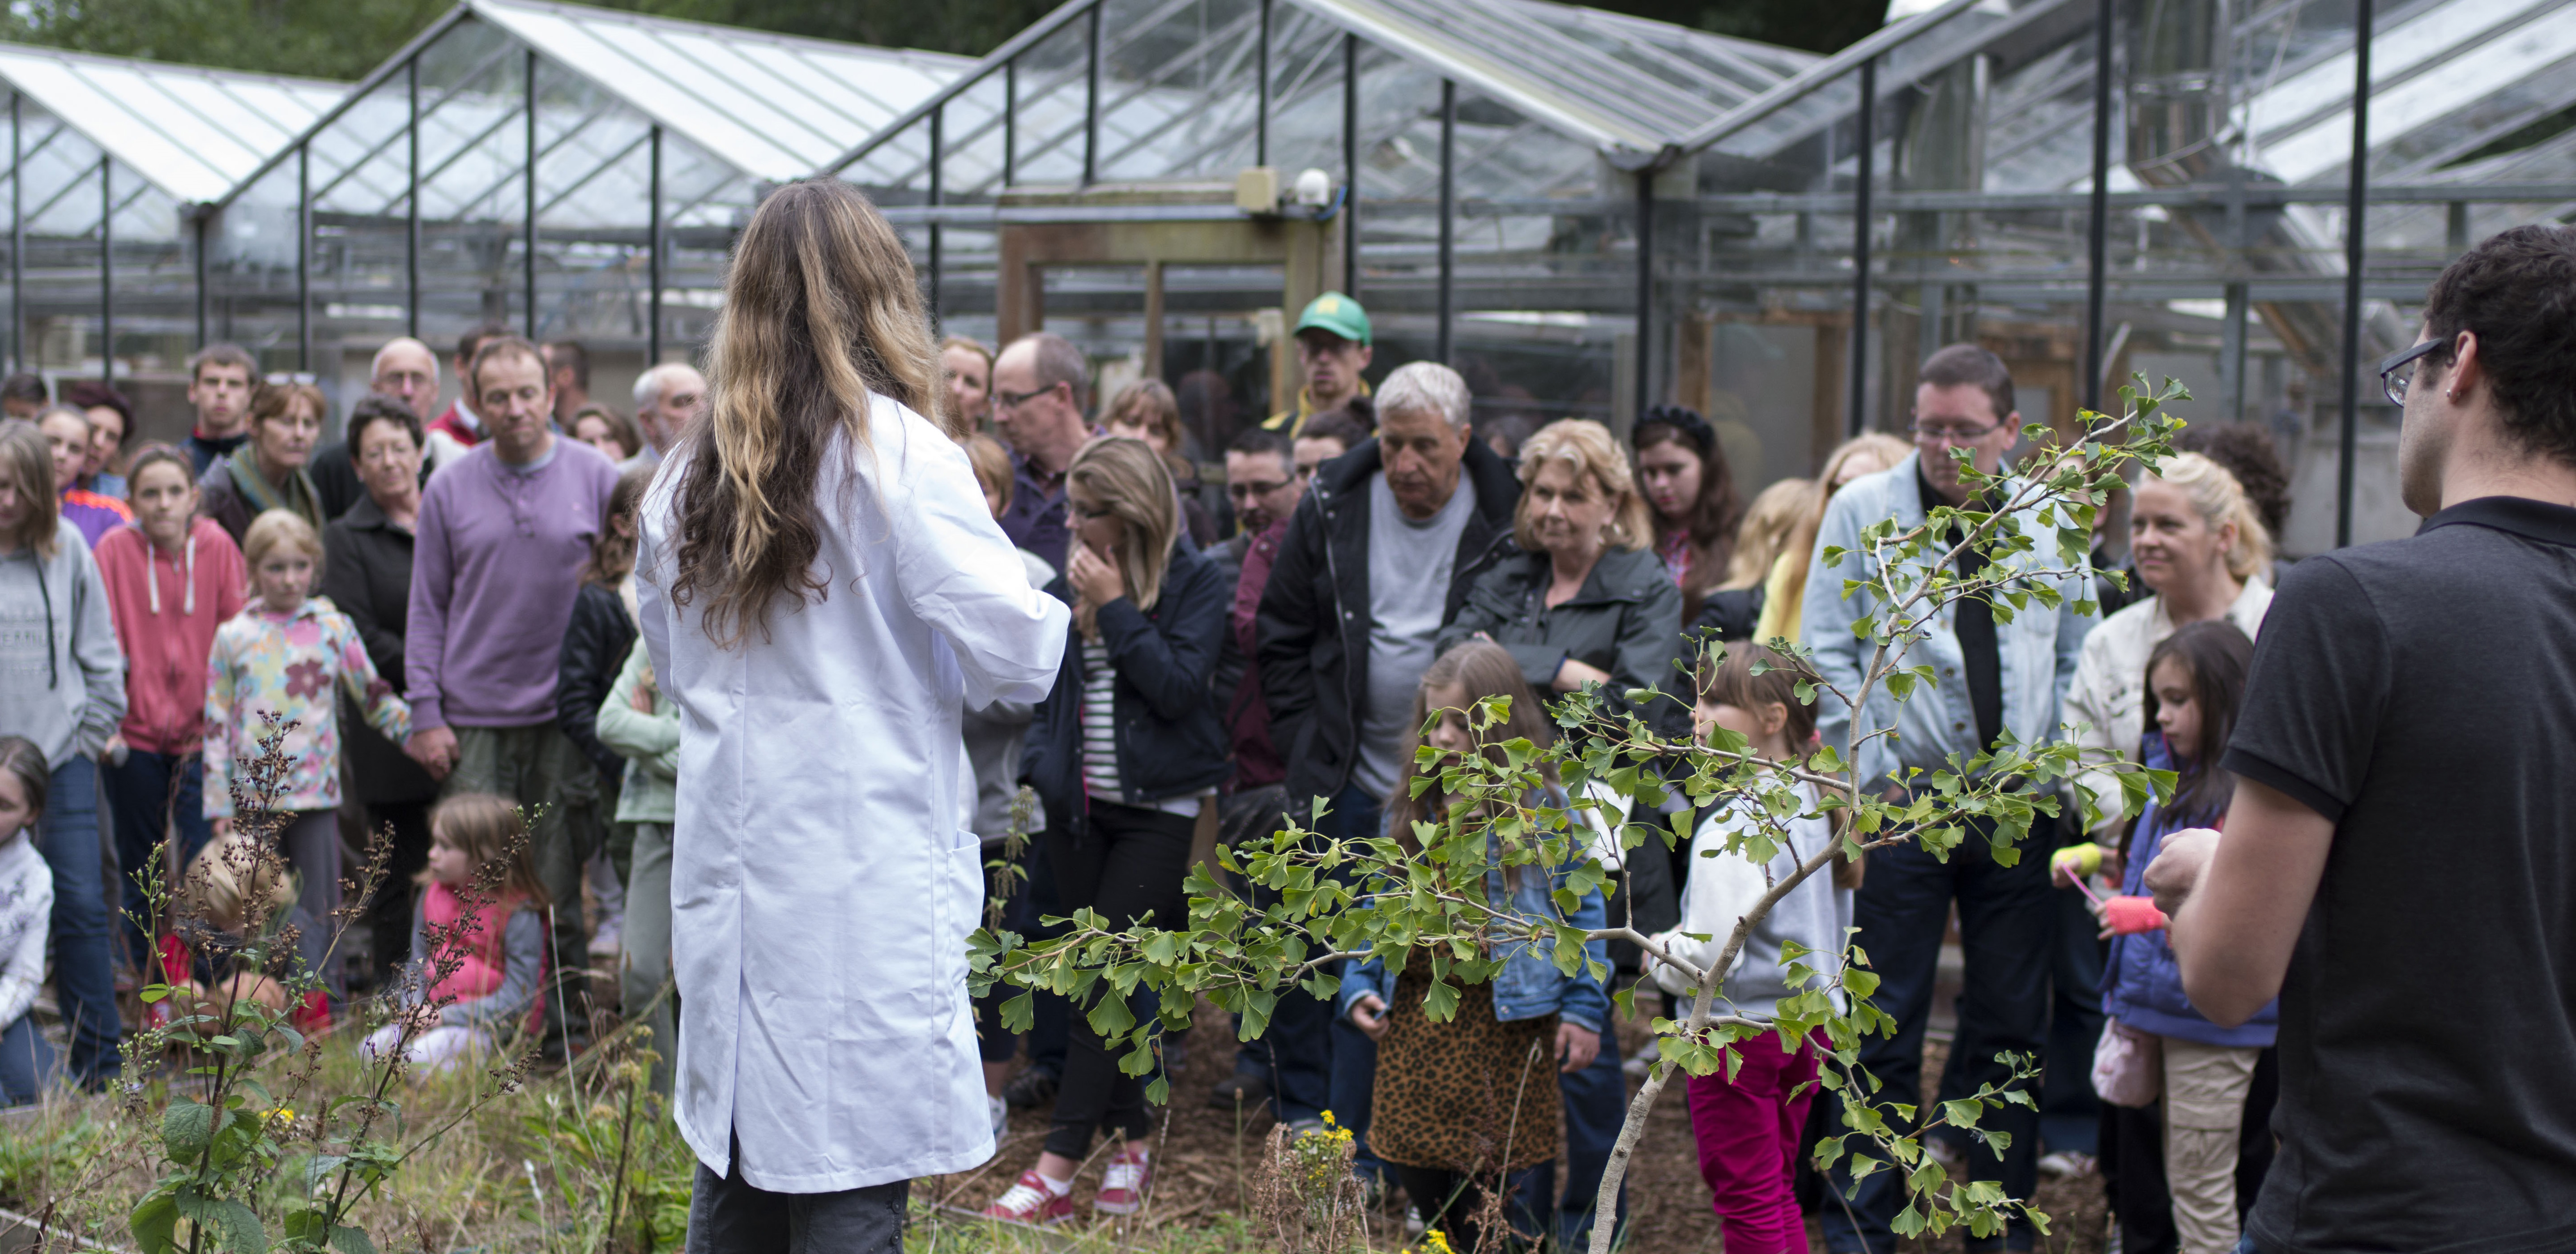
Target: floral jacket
(286, 664)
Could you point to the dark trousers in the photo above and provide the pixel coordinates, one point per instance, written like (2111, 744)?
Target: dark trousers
(729, 1216)
(388, 913)
(1294, 1055)
(2008, 930)
(26, 1062)
(149, 797)
(1354, 814)
(2070, 1116)
(2133, 1162)
(1596, 1104)
(73, 842)
(1127, 862)
(1450, 1200)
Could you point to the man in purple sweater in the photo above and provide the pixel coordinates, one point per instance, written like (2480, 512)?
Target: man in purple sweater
(496, 560)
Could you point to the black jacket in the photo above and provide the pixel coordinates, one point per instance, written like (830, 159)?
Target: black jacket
(1314, 620)
(1170, 741)
(1626, 619)
(366, 571)
(1729, 613)
(594, 647)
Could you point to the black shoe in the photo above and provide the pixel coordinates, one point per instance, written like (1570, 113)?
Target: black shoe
(1240, 1089)
(1033, 1087)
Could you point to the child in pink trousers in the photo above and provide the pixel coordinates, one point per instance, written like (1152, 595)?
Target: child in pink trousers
(1749, 1128)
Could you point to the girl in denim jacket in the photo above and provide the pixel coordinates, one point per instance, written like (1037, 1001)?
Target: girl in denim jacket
(1460, 1104)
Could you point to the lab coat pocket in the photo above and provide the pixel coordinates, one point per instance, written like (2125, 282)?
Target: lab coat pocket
(965, 891)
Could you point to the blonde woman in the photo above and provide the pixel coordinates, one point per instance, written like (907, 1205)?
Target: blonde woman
(2203, 551)
(1785, 588)
(1119, 754)
(1583, 600)
(1736, 605)
(822, 591)
(1146, 410)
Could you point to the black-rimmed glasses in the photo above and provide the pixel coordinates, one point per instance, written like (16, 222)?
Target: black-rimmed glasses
(2397, 373)
(1949, 433)
(1246, 491)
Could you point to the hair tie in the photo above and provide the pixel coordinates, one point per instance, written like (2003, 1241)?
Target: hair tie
(1682, 419)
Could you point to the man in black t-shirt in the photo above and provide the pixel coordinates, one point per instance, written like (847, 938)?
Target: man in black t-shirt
(2398, 864)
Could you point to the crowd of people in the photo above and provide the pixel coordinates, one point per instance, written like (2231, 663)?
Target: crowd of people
(472, 625)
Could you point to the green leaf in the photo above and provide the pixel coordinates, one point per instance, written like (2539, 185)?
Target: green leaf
(154, 1221)
(186, 1127)
(348, 1240)
(240, 1226)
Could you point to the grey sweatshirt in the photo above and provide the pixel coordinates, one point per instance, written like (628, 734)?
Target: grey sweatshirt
(62, 677)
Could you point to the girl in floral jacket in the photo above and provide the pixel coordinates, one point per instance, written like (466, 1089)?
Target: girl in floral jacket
(283, 655)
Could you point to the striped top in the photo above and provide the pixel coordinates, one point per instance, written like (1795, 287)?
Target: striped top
(1100, 736)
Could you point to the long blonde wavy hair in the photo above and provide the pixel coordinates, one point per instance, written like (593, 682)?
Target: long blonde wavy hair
(1801, 546)
(1129, 479)
(2219, 499)
(1591, 452)
(820, 310)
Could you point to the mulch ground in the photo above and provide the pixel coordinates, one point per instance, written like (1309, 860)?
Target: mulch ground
(1206, 1161)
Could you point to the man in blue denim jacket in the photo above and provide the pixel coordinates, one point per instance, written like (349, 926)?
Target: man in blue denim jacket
(1991, 678)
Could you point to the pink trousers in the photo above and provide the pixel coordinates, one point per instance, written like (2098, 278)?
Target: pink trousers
(1748, 1134)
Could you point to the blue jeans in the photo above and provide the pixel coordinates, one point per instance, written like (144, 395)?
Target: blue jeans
(2008, 930)
(1596, 1104)
(26, 1062)
(146, 797)
(74, 844)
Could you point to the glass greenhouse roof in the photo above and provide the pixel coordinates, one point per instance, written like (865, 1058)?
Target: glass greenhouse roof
(194, 133)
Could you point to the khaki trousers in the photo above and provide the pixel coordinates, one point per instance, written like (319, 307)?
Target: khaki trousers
(2205, 1088)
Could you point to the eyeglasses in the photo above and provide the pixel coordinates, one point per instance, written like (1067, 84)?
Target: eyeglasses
(1246, 491)
(1949, 432)
(1013, 400)
(2398, 372)
(281, 379)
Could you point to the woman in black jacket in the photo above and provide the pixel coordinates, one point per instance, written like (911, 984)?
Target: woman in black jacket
(366, 571)
(595, 645)
(1122, 754)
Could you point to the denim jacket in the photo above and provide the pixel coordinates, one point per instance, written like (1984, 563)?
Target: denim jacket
(2037, 650)
(2142, 979)
(1529, 986)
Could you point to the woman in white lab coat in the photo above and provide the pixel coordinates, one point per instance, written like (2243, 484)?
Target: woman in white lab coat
(822, 590)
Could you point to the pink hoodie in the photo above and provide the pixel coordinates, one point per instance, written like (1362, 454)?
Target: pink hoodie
(166, 607)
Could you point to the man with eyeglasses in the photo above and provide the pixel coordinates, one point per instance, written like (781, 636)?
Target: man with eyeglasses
(1039, 386)
(404, 370)
(2395, 864)
(1991, 677)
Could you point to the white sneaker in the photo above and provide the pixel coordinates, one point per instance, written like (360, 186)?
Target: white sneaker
(2065, 1163)
(604, 943)
(1413, 1224)
(1000, 1113)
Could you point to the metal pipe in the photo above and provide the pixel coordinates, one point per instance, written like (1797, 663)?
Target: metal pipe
(199, 216)
(304, 256)
(1261, 90)
(938, 123)
(1351, 166)
(106, 272)
(1010, 121)
(1865, 122)
(17, 238)
(2355, 202)
(528, 247)
(654, 245)
(411, 206)
(1645, 295)
(1448, 220)
(2097, 245)
(1091, 101)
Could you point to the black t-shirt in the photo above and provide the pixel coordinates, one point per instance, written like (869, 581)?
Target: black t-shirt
(2422, 695)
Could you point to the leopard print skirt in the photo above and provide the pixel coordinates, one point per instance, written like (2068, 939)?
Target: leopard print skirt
(1471, 1094)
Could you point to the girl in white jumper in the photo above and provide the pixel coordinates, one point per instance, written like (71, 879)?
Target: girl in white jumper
(26, 907)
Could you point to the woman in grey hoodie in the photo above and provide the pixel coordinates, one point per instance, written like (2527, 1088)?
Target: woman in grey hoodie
(62, 685)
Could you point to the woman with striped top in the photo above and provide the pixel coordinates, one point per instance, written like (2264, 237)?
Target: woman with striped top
(1121, 753)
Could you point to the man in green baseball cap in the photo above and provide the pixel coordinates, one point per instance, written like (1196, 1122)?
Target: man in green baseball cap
(1332, 349)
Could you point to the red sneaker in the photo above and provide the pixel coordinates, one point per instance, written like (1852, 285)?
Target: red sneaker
(1122, 1187)
(1030, 1201)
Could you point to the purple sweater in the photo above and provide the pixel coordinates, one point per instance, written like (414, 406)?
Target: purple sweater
(496, 562)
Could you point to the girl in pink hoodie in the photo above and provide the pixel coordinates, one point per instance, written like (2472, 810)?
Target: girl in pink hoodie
(172, 578)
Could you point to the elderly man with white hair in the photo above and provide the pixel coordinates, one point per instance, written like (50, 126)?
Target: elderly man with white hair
(1379, 554)
(666, 398)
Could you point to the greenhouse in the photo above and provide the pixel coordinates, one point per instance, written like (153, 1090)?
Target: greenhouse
(1584, 211)
(569, 171)
(111, 162)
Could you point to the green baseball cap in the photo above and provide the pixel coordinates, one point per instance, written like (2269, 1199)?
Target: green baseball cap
(1338, 314)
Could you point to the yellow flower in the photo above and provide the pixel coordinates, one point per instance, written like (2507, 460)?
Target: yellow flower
(1435, 1242)
(1328, 1120)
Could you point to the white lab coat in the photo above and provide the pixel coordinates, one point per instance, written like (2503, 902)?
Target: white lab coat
(824, 874)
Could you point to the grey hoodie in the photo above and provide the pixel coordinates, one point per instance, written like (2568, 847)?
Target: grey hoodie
(62, 678)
